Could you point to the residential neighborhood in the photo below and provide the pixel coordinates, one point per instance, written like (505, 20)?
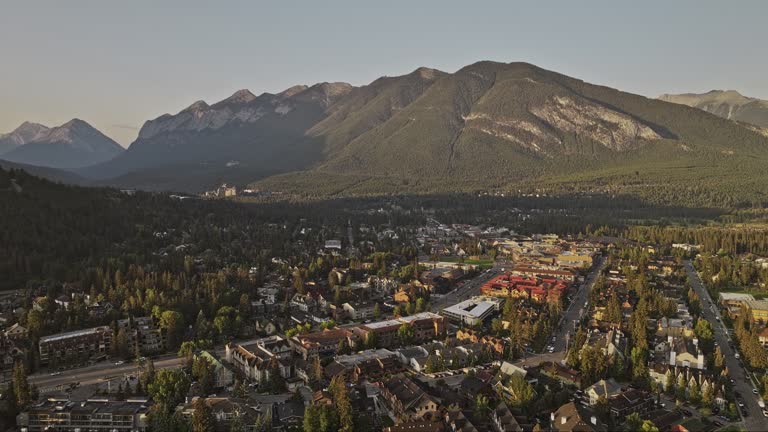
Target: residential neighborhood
(485, 330)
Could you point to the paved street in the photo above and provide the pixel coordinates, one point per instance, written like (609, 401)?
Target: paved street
(469, 289)
(574, 313)
(576, 309)
(755, 421)
(97, 373)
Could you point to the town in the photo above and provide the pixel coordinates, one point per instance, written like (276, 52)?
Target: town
(481, 329)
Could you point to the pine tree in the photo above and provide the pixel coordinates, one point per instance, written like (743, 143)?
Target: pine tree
(707, 396)
(202, 417)
(21, 387)
(340, 394)
(694, 394)
(317, 370)
(719, 359)
(681, 390)
(669, 383)
(312, 418)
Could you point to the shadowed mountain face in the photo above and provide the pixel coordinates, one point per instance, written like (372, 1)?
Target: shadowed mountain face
(728, 104)
(263, 134)
(488, 125)
(74, 144)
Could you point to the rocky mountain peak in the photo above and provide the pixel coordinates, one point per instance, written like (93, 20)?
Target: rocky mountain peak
(292, 91)
(240, 97)
(197, 106)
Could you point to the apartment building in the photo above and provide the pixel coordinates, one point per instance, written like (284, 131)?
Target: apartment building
(92, 415)
(76, 346)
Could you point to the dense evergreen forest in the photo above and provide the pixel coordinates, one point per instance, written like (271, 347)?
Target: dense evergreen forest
(57, 232)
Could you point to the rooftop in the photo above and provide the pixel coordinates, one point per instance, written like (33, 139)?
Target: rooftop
(475, 307)
(77, 333)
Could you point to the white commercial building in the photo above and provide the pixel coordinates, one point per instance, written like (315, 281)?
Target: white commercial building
(473, 311)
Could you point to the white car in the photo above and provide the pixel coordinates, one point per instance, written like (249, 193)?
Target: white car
(120, 363)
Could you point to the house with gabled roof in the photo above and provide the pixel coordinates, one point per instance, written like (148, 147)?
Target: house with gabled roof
(575, 418)
(602, 389)
(406, 399)
(502, 419)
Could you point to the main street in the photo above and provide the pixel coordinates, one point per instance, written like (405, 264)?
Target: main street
(571, 316)
(101, 372)
(755, 421)
(96, 373)
(468, 289)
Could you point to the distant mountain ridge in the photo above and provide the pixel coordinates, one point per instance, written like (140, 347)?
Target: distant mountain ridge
(265, 133)
(728, 104)
(23, 134)
(74, 144)
(487, 126)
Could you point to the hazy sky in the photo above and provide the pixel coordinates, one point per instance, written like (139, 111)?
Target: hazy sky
(117, 64)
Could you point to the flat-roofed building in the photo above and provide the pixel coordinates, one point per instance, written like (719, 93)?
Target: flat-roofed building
(93, 415)
(76, 346)
(734, 299)
(758, 310)
(426, 326)
(359, 311)
(544, 273)
(473, 311)
(572, 260)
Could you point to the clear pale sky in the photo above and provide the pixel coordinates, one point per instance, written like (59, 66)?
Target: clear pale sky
(117, 64)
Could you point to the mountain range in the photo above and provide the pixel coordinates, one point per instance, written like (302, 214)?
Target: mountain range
(486, 127)
(728, 104)
(74, 144)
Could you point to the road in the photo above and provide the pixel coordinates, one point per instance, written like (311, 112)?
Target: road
(96, 373)
(571, 316)
(755, 421)
(468, 289)
(100, 372)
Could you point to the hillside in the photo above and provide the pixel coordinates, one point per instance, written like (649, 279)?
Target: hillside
(261, 134)
(51, 174)
(487, 127)
(74, 144)
(493, 126)
(728, 104)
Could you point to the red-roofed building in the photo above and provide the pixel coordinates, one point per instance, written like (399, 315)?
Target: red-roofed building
(538, 290)
(544, 273)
